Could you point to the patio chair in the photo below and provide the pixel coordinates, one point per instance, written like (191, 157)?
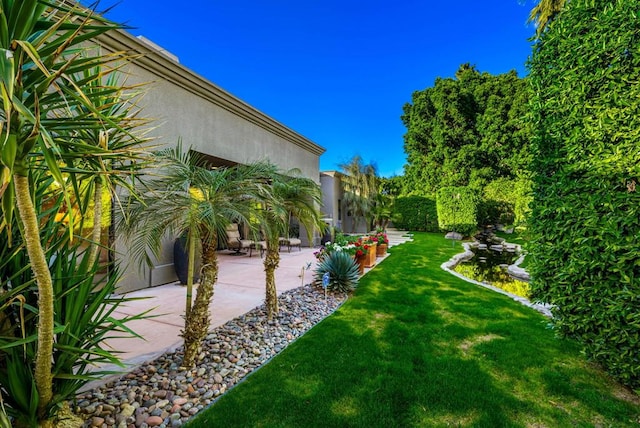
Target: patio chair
(258, 245)
(235, 242)
(291, 242)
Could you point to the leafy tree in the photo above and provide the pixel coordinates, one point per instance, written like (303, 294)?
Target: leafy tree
(586, 211)
(359, 185)
(391, 186)
(457, 209)
(466, 131)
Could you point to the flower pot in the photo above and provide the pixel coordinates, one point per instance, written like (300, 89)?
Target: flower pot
(360, 261)
(181, 261)
(381, 250)
(371, 255)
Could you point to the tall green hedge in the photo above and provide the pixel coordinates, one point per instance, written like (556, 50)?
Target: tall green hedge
(585, 73)
(415, 213)
(457, 209)
(505, 201)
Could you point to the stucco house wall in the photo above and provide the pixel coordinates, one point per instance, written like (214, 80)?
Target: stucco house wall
(212, 121)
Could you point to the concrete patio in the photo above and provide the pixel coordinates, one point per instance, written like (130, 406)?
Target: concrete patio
(239, 289)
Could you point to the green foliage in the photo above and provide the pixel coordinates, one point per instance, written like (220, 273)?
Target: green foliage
(343, 271)
(415, 213)
(436, 350)
(586, 148)
(497, 205)
(523, 197)
(360, 187)
(466, 131)
(505, 201)
(84, 312)
(457, 209)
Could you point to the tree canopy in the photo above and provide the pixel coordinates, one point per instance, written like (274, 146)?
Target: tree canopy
(466, 131)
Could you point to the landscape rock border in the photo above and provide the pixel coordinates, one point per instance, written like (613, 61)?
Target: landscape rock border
(544, 309)
(161, 393)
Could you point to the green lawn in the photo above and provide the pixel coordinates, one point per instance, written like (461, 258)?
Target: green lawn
(417, 347)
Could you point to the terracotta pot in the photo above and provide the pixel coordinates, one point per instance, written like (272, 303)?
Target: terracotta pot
(360, 261)
(371, 255)
(381, 250)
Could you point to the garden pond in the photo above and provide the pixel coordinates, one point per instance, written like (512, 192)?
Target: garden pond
(489, 265)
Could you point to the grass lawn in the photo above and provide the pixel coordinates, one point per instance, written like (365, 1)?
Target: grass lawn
(417, 347)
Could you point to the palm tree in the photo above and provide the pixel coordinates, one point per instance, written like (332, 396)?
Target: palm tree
(291, 195)
(544, 12)
(39, 68)
(189, 198)
(359, 185)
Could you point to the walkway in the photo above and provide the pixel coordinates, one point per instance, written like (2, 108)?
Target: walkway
(239, 289)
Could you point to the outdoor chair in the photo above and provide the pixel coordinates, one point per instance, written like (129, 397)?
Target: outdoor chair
(259, 245)
(291, 242)
(235, 242)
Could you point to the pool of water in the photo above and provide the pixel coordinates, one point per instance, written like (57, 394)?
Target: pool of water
(490, 266)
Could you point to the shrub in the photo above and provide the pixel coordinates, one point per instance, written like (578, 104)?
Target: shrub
(415, 213)
(348, 244)
(523, 199)
(498, 203)
(343, 271)
(457, 208)
(586, 211)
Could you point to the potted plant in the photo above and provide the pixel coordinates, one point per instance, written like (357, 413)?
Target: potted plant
(361, 255)
(383, 243)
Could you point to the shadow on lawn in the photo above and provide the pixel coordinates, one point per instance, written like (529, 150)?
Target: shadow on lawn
(414, 347)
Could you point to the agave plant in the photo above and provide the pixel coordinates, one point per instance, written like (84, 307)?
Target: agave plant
(342, 269)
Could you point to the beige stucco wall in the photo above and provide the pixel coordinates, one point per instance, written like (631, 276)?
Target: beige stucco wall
(210, 120)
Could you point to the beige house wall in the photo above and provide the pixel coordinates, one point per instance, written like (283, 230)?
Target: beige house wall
(209, 120)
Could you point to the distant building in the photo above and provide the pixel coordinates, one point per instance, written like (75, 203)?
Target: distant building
(333, 207)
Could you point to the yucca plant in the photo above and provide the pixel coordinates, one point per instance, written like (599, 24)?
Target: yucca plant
(83, 311)
(44, 55)
(342, 269)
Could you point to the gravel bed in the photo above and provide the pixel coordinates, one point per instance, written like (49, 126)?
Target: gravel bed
(163, 394)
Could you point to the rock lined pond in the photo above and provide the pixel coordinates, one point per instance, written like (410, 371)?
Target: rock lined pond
(491, 259)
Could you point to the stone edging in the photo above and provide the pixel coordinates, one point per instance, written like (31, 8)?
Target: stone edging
(544, 309)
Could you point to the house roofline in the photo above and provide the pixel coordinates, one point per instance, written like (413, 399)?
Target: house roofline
(164, 67)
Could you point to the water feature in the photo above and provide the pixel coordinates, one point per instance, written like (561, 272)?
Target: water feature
(489, 264)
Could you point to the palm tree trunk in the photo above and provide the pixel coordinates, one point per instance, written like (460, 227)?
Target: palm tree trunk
(197, 323)
(44, 356)
(191, 265)
(95, 244)
(271, 262)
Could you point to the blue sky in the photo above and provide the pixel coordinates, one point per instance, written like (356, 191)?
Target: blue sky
(337, 72)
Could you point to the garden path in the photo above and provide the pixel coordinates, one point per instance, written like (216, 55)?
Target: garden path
(239, 289)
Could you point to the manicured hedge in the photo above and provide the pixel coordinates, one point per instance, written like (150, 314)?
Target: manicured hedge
(497, 205)
(415, 213)
(585, 258)
(505, 201)
(457, 209)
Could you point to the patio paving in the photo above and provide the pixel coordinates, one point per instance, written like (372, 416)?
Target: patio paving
(239, 289)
